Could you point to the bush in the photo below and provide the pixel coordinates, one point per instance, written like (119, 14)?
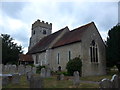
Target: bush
(62, 72)
(39, 68)
(74, 65)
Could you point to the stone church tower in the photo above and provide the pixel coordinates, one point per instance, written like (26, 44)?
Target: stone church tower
(39, 30)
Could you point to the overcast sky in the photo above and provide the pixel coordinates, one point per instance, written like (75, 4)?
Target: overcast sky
(16, 18)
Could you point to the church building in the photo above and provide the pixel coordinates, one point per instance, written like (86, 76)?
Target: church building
(56, 49)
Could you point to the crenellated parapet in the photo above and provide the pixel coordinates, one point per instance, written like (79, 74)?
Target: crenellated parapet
(41, 24)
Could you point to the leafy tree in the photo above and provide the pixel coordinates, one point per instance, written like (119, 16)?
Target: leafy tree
(10, 50)
(113, 47)
(74, 65)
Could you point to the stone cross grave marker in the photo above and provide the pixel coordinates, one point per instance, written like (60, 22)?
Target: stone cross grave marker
(36, 82)
(76, 79)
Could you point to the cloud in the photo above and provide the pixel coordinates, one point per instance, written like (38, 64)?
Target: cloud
(12, 9)
(17, 18)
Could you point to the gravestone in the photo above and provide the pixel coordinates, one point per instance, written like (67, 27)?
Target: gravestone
(5, 80)
(62, 77)
(36, 82)
(21, 69)
(28, 68)
(13, 69)
(105, 83)
(34, 70)
(43, 73)
(6, 69)
(29, 75)
(76, 79)
(115, 81)
(119, 82)
(3, 67)
(58, 77)
(48, 72)
(15, 78)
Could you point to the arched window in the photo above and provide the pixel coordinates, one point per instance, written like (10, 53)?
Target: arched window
(37, 57)
(93, 51)
(44, 31)
(58, 58)
(69, 55)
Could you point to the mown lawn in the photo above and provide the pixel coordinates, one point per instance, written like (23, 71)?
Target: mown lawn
(52, 82)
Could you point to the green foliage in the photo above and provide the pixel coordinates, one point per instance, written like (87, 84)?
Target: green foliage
(39, 68)
(32, 65)
(74, 65)
(65, 73)
(10, 50)
(113, 47)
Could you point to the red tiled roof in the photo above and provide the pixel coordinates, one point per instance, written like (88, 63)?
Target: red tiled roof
(72, 36)
(23, 57)
(44, 43)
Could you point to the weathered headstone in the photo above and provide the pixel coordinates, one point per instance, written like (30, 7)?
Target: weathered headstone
(58, 77)
(12, 69)
(48, 72)
(15, 78)
(34, 70)
(28, 68)
(43, 73)
(62, 77)
(36, 82)
(6, 69)
(3, 67)
(105, 83)
(115, 81)
(21, 69)
(29, 75)
(119, 82)
(76, 79)
(5, 81)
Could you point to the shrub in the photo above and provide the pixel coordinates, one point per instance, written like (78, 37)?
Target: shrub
(39, 68)
(74, 65)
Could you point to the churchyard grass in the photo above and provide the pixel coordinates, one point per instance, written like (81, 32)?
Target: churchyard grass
(23, 84)
(95, 78)
(52, 82)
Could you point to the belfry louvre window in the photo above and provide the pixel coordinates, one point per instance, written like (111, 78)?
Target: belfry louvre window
(44, 31)
(93, 52)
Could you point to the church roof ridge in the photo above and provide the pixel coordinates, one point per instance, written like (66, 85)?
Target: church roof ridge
(74, 35)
